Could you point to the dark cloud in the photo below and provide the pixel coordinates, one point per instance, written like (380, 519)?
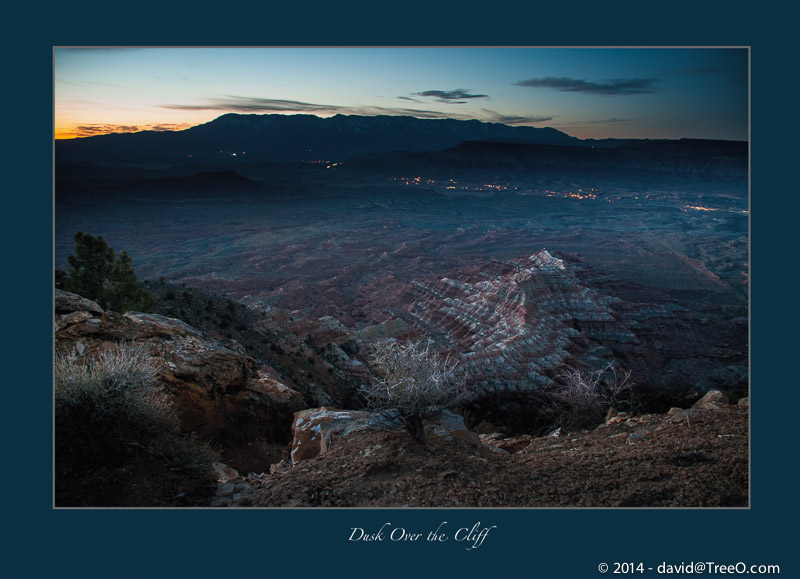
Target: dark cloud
(611, 121)
(255, 105)
(237, 104)
(168, 127)
(405, 98)
(618, 86)
(495, 117)
(89, 130)
(419, 113)
(451, 96)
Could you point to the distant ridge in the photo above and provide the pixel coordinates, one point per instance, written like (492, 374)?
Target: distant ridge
(203, 179)
(295, 138)
(625, 159)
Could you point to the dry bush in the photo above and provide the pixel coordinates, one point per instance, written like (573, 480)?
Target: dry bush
(110, 412)
(107, 405)
(581, 400)
(412, 383)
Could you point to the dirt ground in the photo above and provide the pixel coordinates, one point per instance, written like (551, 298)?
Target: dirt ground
(690, 458)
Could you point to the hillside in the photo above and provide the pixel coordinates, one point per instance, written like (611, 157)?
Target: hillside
(277, 447)
(686, 458)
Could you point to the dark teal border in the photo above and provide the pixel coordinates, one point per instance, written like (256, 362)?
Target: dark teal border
(539, 543)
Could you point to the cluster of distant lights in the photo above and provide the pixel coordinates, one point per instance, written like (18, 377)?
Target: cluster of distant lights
(581, 194)
(189, 155)
(452, 184)
(328, 164)
(418, 181)
(702, 208)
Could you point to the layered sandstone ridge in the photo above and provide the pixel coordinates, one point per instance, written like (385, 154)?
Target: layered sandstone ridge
(512, 321)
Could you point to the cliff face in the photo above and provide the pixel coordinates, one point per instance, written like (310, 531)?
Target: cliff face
(219, 393)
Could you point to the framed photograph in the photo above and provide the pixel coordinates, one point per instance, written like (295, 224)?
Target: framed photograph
(458, 277)
(431, 290)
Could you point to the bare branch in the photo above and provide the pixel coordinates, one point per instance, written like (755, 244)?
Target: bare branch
(583, 399)
(413, 382)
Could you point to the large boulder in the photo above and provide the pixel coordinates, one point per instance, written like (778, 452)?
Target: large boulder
(67, 303)
(449, 426)
(713, 400)
(315, 429)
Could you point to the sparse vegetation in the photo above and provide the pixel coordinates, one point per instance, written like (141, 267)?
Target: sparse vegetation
(580, 400)
(412, 383)
(110, 412)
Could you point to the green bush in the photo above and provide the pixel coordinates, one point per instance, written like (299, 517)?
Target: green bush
(98, 274)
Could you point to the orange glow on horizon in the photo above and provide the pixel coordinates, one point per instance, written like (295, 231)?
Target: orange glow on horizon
(72, 131)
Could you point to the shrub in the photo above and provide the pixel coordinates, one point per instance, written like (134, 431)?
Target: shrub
(581, 400)
(108, 405)
(412, 383)
(110, 413)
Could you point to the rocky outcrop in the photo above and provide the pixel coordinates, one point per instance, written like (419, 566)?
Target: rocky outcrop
(334, 376)
(232, 489)
(449, 426)
(316, 430)
(68, 303)
(510, 444)
(219, 392)
(688, 458)
(713, 400)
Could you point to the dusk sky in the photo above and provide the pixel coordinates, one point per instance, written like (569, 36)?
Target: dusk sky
(585, 92)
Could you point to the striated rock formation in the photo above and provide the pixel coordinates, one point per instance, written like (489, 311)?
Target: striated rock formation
(512, 321)
(335, 348)
(220, 393)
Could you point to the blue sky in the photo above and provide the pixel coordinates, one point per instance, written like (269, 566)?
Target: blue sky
(585, 92)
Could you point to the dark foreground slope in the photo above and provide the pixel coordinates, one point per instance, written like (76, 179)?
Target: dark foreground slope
(694, 457)
(689, 458)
